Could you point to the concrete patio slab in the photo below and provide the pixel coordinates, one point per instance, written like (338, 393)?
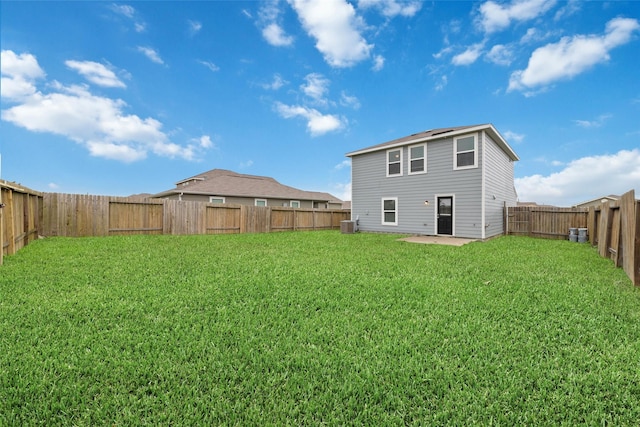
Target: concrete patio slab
(438, 240)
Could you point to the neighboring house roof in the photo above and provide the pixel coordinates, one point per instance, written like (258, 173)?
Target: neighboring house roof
(220, 182)
(434, 134)
(598, 200)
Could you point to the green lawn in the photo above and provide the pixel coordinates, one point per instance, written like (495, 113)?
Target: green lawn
(316, 328)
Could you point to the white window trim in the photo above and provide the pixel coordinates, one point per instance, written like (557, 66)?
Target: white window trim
(387, 161)
(216, 197)
(395, 199)
(294, 201)
(255, 202)
(409, 172)
(475, 152)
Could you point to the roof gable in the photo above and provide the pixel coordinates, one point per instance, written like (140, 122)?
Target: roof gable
(439, 133)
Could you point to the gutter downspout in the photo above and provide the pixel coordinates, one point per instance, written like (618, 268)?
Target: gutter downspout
(483, 193)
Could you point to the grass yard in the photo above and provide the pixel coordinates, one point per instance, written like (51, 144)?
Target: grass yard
(316, 328)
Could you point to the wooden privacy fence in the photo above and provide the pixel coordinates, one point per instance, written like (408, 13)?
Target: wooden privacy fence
(545, 222)
(616, 232)
(614, 227)
(76, 215)
(19, 217)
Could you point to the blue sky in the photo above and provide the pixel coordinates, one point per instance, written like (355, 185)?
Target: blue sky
(126, 98)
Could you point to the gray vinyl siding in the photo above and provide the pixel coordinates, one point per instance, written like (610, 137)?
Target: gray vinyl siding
(370, 184)
(499, 182)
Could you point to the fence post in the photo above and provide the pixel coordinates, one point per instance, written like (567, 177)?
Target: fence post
(11, 230)
(630, 240)
(636, 245)
(505, 212)
(1, 229)
(604, 230)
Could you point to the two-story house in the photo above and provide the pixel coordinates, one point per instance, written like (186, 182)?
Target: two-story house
(448, 181)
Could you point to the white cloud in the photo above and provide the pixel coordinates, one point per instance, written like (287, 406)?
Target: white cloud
(469, 56)
(205, 141)
(335, 26)
(97, 123)
(584, 179)
(349, 101)
(593, 123)
(210, 65)
(151, 53)
(378, 63)
(495, 16)
(19, 74)
(317, 123)
(272, 31)
(572, 55)
(343, 191)
(515, 137)
(121, 152)
(247, 164)
(53, 186)
(276, 83)
(392, 8)
(442, 83)
(96, 73)
(444, 51)
(500, 55)
(343, 164)
(123, 9)
(194, 27)
(316, 87)
(571, 7)
(130, 13)
(276, 36)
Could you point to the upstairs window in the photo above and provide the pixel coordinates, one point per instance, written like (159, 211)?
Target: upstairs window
(418, 159)
(394, 162)
(465, 150)
(261, 202)
(294, 203)
(216, 199)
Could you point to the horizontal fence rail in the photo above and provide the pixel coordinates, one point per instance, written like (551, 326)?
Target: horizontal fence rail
(76, 215)
(20, 219)
(614, 227)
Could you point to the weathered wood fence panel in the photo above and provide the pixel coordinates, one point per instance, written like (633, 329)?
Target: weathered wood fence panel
(223, 219)
(546, 222)
(619, 234)
(255, 219)
(614, 227)
(130, 217)
(20, 217)
(82, 215)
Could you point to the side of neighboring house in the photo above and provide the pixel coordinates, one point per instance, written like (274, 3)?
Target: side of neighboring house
(449, 181)
(224, 186)
(598, 201)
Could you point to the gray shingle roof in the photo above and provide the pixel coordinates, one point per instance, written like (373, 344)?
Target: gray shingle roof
(221, 182)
